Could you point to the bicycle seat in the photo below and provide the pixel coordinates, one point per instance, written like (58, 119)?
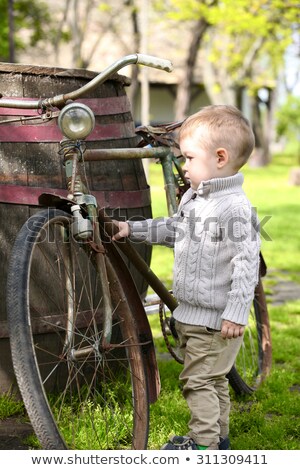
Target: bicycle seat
(162, 134)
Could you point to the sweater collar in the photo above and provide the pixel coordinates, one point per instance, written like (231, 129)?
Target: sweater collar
(228, 184)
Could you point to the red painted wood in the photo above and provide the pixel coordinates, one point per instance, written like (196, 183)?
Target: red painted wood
(29, 195)
(50, 132)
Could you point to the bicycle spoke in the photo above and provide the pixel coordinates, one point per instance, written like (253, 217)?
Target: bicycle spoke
(97, 393)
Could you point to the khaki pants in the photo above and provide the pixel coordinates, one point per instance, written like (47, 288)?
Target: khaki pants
(207, 359)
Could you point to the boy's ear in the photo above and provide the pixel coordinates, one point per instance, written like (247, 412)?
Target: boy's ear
(222, 157)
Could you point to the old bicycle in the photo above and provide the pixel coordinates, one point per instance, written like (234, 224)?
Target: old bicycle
(91, 387)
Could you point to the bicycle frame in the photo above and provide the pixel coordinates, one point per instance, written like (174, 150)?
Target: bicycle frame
(164, 154)
(78, 195)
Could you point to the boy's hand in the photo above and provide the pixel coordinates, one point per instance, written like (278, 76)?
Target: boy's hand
(124, 230)
(231, 330)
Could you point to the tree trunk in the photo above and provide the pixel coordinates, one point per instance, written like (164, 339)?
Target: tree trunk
(183, 97)
(134, 86)
(260, 156)
(11, 33)
(217, 83)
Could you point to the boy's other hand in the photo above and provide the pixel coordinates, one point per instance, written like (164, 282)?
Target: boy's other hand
(124, 230)
(231, 330)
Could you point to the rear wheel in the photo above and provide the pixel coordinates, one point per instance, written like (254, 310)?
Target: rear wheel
(79, 393)
(167, 324)
(253, 362)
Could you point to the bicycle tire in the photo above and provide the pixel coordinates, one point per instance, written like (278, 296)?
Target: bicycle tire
(253, 363)
(99, 400)
(167, 325)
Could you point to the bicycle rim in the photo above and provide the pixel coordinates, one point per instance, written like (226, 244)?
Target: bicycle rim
(253, 362)
(169, 333)
(78, 395)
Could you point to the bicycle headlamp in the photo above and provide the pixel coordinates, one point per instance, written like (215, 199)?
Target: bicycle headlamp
(76, 121)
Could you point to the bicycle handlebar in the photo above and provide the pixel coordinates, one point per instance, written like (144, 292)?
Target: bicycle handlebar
(59, 100)
(154, 62)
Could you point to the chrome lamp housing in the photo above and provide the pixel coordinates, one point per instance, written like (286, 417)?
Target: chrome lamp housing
(76, 121)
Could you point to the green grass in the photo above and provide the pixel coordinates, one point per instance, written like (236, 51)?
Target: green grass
(10, 406)
(269, 190)
(269, 418)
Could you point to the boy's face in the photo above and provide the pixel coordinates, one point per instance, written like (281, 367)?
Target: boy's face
(200, 164)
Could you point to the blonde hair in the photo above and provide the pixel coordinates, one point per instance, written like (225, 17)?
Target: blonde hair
(225, 127)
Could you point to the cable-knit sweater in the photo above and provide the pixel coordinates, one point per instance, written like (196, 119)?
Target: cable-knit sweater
(215, 235)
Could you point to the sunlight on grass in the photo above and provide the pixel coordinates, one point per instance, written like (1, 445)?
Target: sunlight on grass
(269, 191)
(87, 425)
(169, 415)
(267, 419)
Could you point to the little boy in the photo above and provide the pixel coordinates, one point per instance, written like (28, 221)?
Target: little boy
(216, 265)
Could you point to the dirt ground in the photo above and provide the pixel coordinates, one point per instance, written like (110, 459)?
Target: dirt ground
(13, 433)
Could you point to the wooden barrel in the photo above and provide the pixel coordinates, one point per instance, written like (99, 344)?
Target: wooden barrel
(30, 164)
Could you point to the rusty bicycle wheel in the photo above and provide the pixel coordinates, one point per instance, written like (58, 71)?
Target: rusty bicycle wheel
(78, 393)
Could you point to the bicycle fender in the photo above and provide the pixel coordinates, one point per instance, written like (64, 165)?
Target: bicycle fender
(57, 201)
(144, 329)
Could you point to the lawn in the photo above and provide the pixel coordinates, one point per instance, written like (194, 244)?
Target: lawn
(270, 418)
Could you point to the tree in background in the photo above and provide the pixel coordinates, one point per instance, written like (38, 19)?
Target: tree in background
(31, 16)
(245, 52)
(241, 46)
(288, 122)
(195, 14)
(74, 20)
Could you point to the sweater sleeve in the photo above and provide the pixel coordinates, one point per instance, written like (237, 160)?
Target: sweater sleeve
(159, 231)
(243, 240)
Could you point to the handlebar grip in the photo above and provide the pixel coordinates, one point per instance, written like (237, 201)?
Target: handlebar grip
(155, 62)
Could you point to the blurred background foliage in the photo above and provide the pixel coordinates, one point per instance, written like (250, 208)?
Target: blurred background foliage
(244, 53)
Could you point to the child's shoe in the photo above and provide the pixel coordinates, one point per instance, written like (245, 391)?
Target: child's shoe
(224, 443)
(180, 443)
(185, 443)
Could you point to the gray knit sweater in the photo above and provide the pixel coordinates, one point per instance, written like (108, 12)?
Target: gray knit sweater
(215, 235)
